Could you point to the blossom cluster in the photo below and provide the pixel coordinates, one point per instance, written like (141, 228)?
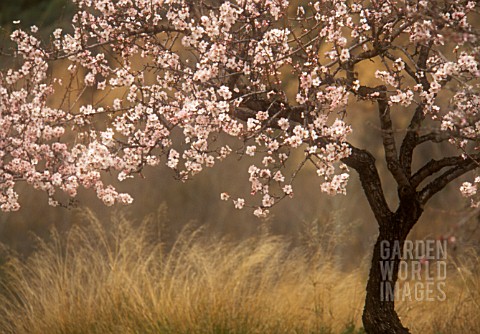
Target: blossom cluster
(172, 79)
(470, 190)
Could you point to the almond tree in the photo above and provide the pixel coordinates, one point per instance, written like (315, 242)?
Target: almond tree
(174, 78)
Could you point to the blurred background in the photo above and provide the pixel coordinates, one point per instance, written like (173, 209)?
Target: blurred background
(198, 202)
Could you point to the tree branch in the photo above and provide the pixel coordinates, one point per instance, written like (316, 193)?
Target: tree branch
(441, 136)
(250, 108)
(364, 163)
(411, 138)
(147, 30)
(389, 145)
(440, 182)
(435, 137)
(434, 166)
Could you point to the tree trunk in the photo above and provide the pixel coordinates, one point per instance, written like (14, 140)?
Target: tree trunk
(379, 316)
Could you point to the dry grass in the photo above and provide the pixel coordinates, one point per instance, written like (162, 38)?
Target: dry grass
(119, 280)
(460, 312)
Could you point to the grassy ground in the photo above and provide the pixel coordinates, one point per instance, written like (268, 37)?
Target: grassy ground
(121, 280)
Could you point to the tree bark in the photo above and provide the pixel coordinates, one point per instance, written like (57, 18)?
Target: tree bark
(379, 315)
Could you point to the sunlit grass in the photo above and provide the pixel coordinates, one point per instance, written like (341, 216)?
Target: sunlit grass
(460, 312)
(118, 278)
